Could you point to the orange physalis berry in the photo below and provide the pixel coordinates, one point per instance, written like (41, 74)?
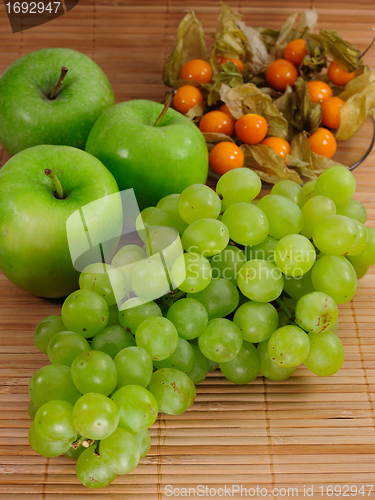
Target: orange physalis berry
(279, 145)
(226, 156)
(295, 51)
(198, 70)
(251, 128)
(322, 142)
(339, 76)
(281, 73)
(319, 91)
(217, 122)
(331, 112)
(186, 97)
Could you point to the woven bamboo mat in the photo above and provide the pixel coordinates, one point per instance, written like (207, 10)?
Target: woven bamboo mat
(306, 431)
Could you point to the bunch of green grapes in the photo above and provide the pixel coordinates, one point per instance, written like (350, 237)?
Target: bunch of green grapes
(250, 288)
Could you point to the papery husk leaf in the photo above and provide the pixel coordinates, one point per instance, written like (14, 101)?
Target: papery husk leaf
(357, 107)
(315, 60)
(357, 85)
(247, 98)
(344, 53)
(267, 164)
(308, 163)
(308, 114)
(230, 41)
(257, 57)
(190, 45)
(213, 139)
(229, 75)
(293, 29)
(196, 112)
(268, 36)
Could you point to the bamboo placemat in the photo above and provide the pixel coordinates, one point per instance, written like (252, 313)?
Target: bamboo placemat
(307, 431)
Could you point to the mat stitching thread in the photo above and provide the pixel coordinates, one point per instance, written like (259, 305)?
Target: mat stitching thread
(45, 479)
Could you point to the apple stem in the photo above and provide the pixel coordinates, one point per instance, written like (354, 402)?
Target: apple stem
(58, 187)
(168, 101)
(64, 71)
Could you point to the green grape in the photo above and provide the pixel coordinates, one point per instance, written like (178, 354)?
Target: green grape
(294, 255)
(257, 321)
(335, 234)
(74, 453)
(189, 317)
(334, 276)
(245, 367)
(288, 346)
(221, 341)
(182, 359)
(134, 367)
(137, 406)
(165, 240)
(316, 312)
(268, 368)
(201, 366)
(198, 202)
(263, 251)
(283, 318)
(94, 371)
(308, 189)
(149, 279)
(85, 312)
(54, 420)
(219, 298)
(284, 216)
(113, 316)
(360, 269)
(45, 446)
(47, 329)
(353, 209)
(151, 217)
(205, 236)
(314, 210)
(212, 366)
(95, 416)
(53, 382)
(191, 272)
(144, 442)
(290, 190)
(105, 280)
(299, 286)
(361, 241)
(120, 451)
(125, 261)
(64, 347)
(338, 183)
(367, 256)
(174, 391)
(240, 185)
(158, 336)
(334, 327)
(32, 409)
(169, 205)
(91, 470)
(260, 280)
(326, 355)
(246, 223)
(227, 263)
(112, 340)
(136, 310)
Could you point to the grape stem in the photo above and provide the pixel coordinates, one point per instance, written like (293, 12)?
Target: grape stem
(170, 298)
(285, 309)
(82, 441)
(58, 187)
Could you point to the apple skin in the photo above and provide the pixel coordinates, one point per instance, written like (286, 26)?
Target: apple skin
(154, 161)
(34, 251)
(28, 117)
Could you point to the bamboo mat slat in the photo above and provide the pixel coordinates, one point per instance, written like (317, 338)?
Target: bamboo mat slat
(304, 432)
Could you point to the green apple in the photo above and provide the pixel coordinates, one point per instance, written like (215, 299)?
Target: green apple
(154, 160)
(34, 250)
(30, 115)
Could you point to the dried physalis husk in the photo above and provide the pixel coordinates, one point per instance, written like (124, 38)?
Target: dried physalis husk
(230, 41)
(308, 114)
(293, 29)
(190, 45)
(359, 97)
(315, 60)
(267, 164)
(212, 139)
(229, 75)
(256, 57)
(344, 53)
(247, 98)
